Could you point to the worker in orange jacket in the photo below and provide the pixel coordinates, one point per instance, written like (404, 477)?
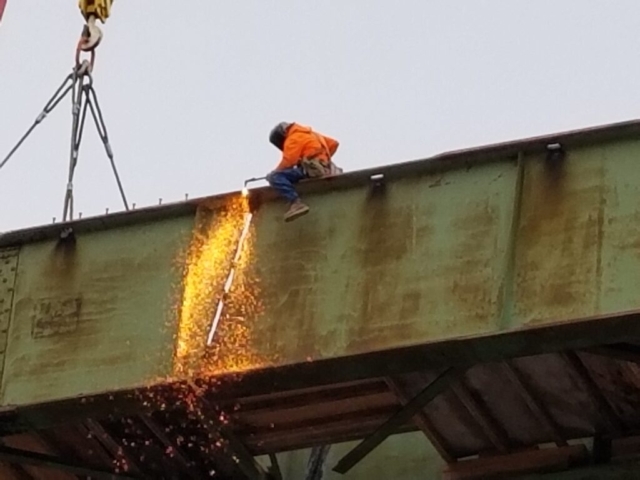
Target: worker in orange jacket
(305, 154)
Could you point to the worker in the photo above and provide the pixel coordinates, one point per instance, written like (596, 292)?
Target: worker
(305, 154)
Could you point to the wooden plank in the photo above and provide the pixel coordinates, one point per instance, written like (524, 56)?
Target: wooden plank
(22, 457)
(621, 351)
(625, 447)
(32, 442)
(417, 403)
(422, 421)
(245, 460)
(535, 405)
(13, 472)
(517, 463)
(308, 437)
(18, 472)
(113, 447)
(88, 439)
(482, 416)
(177, 453)
(600, 402)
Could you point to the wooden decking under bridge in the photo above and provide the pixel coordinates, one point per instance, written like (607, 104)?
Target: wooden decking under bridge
(526, 411)
(494, 273)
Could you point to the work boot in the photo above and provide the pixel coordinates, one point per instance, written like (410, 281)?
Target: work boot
(297, 209)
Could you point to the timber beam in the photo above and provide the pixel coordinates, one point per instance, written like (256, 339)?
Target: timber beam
(117, 451)
(481, 415)
(600, 402)
(623, 351)
(423, 422)
(21, 457)
(172, 448)
(520, 463)
(533, 402)
(441, 383)
(246, 462)
(17, 469)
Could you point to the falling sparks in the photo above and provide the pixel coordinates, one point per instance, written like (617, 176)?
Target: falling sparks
(217, 311)
(220, 302)
(248, 216)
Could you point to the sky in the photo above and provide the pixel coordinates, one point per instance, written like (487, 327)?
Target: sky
(190, 89)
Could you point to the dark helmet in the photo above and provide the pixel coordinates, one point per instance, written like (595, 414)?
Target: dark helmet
(278, 134)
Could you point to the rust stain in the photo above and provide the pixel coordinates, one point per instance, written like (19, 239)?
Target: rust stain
(62, 264)
(560, 241)
(75, 319)
(291, 293)
(382, 249)
(469, 273)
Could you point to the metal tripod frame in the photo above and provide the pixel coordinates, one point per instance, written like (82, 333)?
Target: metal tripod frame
(80, 83)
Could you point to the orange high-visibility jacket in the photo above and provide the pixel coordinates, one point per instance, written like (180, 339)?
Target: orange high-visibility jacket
(302, 142)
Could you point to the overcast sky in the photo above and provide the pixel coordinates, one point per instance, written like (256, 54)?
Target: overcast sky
(191, 88)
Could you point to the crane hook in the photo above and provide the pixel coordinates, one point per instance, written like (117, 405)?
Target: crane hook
(91, 35)
(92, 11)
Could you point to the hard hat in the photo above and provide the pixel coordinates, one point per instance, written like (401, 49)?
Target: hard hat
(278, 134)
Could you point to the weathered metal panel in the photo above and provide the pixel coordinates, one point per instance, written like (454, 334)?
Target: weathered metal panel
(559, 249)
(428, 258)
(91, 315)
(421, 260)
(432, 255)
(578, 250)
(8, 268)
(621, 227)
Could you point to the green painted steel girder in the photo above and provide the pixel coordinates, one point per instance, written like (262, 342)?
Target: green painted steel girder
(471, 256)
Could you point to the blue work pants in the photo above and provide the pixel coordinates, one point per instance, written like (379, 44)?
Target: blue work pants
(283, 181)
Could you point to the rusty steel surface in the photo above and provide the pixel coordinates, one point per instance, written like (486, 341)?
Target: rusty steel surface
(418, 262)
(93, 312)
(429, 258)
(494, 258)
(479, 245)
(8, 270)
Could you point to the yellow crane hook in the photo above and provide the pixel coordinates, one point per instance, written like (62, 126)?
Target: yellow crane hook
(92, 11)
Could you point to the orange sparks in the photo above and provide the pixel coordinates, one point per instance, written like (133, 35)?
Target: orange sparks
(220, 300)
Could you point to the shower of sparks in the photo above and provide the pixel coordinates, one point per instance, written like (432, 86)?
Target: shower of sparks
(220, 301)
(217, 308)
(232, 272)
